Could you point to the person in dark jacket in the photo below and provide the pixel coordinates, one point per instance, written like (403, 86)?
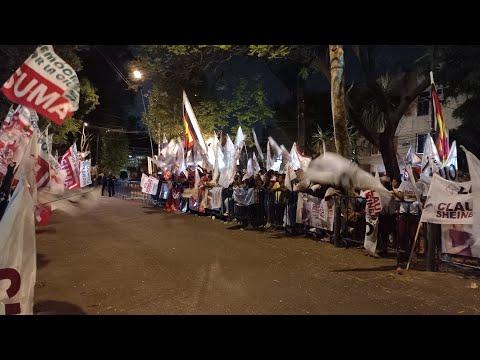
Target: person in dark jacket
(104, 183)
(111, 184)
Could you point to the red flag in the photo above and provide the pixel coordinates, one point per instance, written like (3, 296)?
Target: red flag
(69, 163)
(46, 84)
(43, 213)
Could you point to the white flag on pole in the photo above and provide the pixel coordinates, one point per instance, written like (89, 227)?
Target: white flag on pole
(257, 145)
(239, 139)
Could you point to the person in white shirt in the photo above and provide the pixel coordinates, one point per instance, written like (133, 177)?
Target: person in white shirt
(409, 212)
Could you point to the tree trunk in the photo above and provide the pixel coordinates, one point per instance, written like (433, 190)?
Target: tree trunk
(301, 113)
(337, 65)
(389, 154)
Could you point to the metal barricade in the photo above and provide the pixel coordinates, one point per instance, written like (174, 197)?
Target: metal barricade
(349, 225)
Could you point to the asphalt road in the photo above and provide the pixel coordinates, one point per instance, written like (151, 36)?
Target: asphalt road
(112, 256)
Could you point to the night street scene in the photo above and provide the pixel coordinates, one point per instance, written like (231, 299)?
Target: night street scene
(239, 179)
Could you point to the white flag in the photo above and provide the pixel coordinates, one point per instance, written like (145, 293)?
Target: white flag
(257, 145)
(276, 149)
(239, 139)
(474, 170)
(452, 156)
(269, 157)
(256, 165)
(294, 157)
(430, 160)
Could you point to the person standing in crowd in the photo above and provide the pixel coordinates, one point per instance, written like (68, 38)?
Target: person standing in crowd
(104, 183)
(386, 220)
(408, 219)
(111, 184)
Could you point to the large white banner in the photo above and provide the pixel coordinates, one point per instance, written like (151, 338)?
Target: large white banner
(85, 178)
(18, 254)
(448, 202)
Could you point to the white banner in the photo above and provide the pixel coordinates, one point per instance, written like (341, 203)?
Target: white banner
(85, 178)
(214, 198)
(18, 254)
(243, 197)
(149, 185)
(372, 210)
(315, 212)
(448, 202)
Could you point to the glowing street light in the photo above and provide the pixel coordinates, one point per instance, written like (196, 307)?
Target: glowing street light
(137, 74)
(85, 124)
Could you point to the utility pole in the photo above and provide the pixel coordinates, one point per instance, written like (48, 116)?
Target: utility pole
(337, 65)
(301, 113)
(148, 127)
(98, 140)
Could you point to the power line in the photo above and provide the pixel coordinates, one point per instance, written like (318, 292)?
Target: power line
(114, 67)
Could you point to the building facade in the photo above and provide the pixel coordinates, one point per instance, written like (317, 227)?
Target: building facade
(412, 131)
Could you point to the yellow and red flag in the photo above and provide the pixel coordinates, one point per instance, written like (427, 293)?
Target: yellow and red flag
(189, 140)
(440, 126)
(192, 129)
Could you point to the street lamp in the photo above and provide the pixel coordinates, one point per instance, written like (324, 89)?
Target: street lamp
(137, 75)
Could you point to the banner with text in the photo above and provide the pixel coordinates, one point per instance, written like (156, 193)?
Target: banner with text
(315, 212)
(46, 84)
(448, 202)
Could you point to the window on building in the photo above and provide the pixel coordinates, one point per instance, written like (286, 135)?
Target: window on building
(421, 138)
(423, 104)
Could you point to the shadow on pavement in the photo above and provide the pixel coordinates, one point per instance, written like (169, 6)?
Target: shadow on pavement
(42, 261)
(152, 212)
(379, 268)
(46, 230)
(235, 227)
(50, 307)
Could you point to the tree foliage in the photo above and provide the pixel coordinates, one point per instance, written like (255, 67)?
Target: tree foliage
(198, 69)
(114, 151)
(459, 74)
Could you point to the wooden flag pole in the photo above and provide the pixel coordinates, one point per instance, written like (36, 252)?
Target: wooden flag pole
(414, 244)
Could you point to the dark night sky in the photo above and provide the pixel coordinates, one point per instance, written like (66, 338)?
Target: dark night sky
(119, 106)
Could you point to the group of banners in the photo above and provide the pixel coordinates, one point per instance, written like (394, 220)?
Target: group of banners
(47, 85)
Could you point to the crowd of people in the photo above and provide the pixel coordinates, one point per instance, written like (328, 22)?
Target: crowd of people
(272, 204)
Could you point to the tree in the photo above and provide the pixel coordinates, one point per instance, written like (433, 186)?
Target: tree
(458, 73)
(367, 94)
(217, 105)
(337, 64)
(114, 151)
